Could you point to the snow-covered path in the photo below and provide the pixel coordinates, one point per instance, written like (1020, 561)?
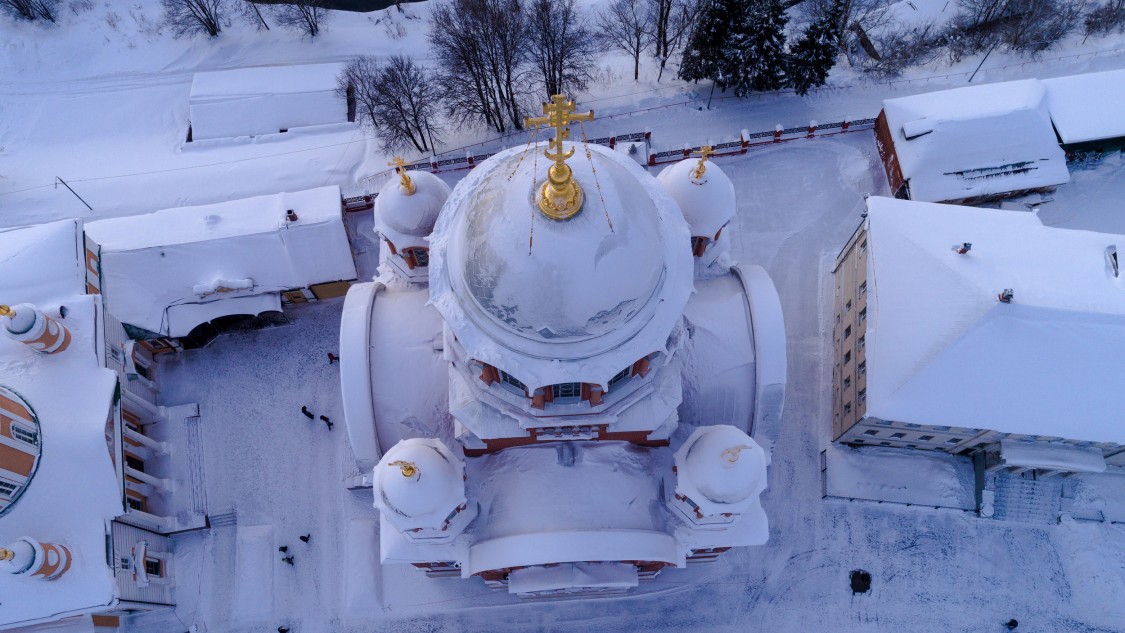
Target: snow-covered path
(932, 569)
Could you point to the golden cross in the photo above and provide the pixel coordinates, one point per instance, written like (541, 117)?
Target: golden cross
(705, 152)
(559, 114)
(408, 469)
(403, 178)
(560, 197)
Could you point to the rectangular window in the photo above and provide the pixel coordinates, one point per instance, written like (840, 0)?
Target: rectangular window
(863, 289)
(847, 332)
(621, 375)
(7, 488)
(871, 432)
(862, 316)
(135, 504)
(847, 307)
(861, 369)
(898, 435)
(847, 357)
(508, 379)
(154, 567)
(421, 257)
(863, 247)
(847, 382)
(925, 438)
(862, 396)
(847, 408)
(862, 342)
(24, 435)
(566, 390)
(953, 440)
(135, 463)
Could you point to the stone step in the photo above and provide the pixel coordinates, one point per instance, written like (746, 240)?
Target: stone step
(1027, 500)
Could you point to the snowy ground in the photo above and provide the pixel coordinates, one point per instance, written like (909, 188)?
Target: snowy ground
(932, 569)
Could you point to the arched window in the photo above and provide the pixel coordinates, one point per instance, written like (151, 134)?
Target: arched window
(699, 245)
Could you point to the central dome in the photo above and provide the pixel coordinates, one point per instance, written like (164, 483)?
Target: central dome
(553, 280)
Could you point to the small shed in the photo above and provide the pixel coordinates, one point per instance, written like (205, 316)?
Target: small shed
(163, 274)
(264, 100)
(970, 144)
(1086, 110)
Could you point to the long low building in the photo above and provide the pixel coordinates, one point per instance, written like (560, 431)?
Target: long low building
(166, 273)
(1086, 110)
(963, 329)
(970, 144)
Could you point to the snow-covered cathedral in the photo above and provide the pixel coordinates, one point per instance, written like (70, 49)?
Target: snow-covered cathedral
(554, 382)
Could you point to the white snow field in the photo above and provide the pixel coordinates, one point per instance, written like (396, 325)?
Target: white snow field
(101, 100)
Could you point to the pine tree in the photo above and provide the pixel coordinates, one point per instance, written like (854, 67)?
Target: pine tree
(705, 52)
(738, 44)
(815, 53)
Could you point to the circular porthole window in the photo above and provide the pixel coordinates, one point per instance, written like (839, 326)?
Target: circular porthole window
(20, 446)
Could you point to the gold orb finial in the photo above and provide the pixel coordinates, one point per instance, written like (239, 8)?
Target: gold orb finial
(408, 468)
(6, 311)
(731, 454)
(560, 197)
(5, 553)
(403, 178)
(705, 152)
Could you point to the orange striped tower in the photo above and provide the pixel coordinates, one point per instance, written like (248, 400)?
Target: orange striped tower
(48, 561)
(28, 325)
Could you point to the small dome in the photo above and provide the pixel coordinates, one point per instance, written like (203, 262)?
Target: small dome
(707, 203)
(724, 464)
(415, 479)
(409, 218)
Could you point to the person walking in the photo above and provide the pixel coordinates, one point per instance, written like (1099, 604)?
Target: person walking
(325, 419)
(308, 414)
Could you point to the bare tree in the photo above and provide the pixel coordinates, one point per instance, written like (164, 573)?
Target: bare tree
(561, 46)
(307, 16)
(624, 24)
(480, 48)
(250, 12)
(30, 9)
(669, 23)
(189, 17)
(399, 99)
(1107, 18)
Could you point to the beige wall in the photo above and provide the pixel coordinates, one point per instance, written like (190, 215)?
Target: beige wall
(849, 329)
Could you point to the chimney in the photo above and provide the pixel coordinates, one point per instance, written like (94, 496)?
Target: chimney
(291, 215)
(1005, 296)
(962, 248)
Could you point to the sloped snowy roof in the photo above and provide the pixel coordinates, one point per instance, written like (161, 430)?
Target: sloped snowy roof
(941, 349)
(74, 491)
(264, 100)
(42, 262)
(559, 301)
(1087, 107)
(156, 267)
(976, 141)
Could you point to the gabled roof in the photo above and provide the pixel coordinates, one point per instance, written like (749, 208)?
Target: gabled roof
(1087, 107)
(941, 349)
(976, 141)
(42, 263)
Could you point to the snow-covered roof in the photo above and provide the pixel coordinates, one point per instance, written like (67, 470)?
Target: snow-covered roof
(942, 350)
(976, 141)
(1087, 107)
(41, 262)
(558, 301)
(708, 202)
(264, 100)
(405, 219)
(74, 491)
(166, 271)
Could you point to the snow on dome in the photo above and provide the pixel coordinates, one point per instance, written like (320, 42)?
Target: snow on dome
(503, 273)
(419, 480)
(405, 219)
(724, 465)
(707, 202)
